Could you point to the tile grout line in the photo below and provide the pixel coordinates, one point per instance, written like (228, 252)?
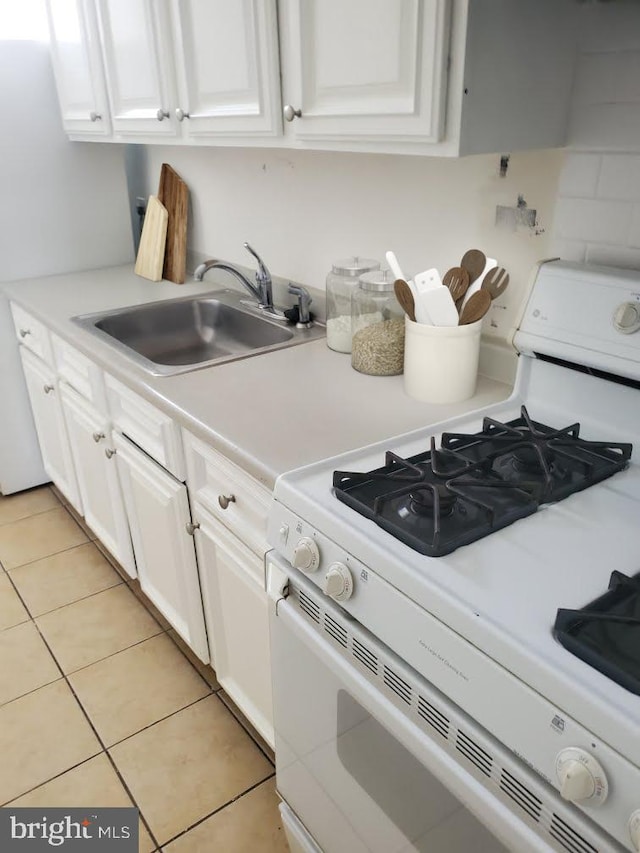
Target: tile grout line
(242, 725)
(62, 606)
(46, 557)
(220, 808)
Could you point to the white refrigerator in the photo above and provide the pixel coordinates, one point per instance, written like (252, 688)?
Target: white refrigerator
(63, 206)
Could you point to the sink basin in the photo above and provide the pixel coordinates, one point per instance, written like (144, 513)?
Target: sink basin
(179, 335)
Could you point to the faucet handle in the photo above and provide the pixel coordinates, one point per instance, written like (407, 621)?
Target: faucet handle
(304, 301)
(263, 275)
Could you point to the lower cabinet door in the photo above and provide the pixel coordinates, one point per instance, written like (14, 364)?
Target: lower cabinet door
(92, 449)
(237, 617)
(50, 425)
(159, 519)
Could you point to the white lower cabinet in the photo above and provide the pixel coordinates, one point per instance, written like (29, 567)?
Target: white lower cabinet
(236, 612)
(95, 464)
(158, 510)
(48, 417)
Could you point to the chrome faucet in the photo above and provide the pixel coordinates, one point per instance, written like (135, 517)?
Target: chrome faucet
(261, 290)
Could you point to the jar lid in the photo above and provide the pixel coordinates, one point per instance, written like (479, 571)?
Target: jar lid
(379, 280)
(355, 266)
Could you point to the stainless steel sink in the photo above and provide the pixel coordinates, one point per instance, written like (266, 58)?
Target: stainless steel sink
(180, 335)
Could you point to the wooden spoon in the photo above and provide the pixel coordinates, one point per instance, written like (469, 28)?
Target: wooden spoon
(475, 308)
(457, 280)
(495, 282)
(473, 262)
(405, 298)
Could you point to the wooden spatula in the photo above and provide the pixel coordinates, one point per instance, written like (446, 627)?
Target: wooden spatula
(457, 280)
(475, 308)
(473, 262)
(495, 282)
(405, 298)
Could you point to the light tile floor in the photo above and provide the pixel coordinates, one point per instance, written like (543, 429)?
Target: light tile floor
(102, 705)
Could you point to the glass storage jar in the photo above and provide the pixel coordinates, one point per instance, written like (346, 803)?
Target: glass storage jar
(341, 283)
(377, 323)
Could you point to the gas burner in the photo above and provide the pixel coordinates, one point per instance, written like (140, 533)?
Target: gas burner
(474, 484)
(424, 500)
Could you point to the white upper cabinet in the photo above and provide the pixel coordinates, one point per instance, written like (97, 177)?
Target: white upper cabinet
(437, 77)
(365, 70)
(227, 67)
(77, 65)
(137, 58)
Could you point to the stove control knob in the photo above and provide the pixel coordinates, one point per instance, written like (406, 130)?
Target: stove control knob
(634, 829)
(626, 317)
(306, 555)
(582, 779)
(338, 582)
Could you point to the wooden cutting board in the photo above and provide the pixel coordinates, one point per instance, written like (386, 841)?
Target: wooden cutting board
(151, 250)
(174, 194)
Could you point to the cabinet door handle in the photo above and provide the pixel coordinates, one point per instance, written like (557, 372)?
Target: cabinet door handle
(24, 332)
(94, 116)
(109, 452)
(290, 112)
(162, 114)
(98, 436)
(225, 500)
(191, 527)
(181, 115)
(49, 388)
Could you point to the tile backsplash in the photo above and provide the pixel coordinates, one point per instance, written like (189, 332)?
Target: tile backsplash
(597, 215)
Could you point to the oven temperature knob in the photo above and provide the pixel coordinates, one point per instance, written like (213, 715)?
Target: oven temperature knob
(626, 317)
(634, 829)
(306, 555)
(338, 582)
(582, 779)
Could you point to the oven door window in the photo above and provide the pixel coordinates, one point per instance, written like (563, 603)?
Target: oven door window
(351, 782)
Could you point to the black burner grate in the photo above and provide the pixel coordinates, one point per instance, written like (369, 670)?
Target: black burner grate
(606, 633)
(477, 483)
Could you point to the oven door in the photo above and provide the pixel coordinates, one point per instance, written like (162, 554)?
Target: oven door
(355, 771)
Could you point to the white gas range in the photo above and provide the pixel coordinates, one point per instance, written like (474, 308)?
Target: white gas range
(430, 577)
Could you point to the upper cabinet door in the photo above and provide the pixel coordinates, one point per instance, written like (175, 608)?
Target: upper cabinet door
(136, 44)
(366, 70)
(227, 67)
(77, 65)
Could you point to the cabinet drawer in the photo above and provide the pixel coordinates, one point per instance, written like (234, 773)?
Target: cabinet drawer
(79, 372)
(146, 426)
(32, 334)
(213, 480)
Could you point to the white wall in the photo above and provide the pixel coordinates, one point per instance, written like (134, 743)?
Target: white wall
(303, 210)
(598, 209)
(64, 204)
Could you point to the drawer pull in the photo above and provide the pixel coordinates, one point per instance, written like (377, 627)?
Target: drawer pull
(24, 332)
(225, 500)
(191, 527)
(109, 452)
(98, 436)
(48, 389)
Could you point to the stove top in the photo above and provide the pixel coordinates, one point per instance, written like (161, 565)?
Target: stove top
(477, 483)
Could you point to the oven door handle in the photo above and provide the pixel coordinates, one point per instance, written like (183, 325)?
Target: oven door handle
(489, 810)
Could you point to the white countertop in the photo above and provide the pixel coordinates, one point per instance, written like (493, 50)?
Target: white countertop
(268, 413)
